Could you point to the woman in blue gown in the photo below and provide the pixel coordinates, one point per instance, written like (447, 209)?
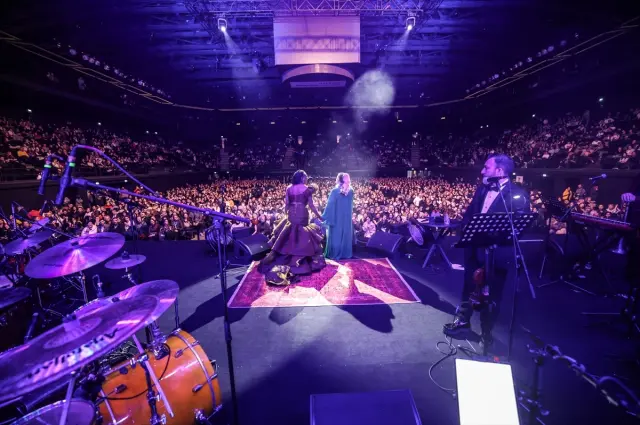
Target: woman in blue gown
(337, 216)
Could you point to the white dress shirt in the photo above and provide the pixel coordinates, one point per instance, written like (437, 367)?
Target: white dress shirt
(490, 198)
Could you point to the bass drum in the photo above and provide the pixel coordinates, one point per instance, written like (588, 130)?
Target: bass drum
(187, 377)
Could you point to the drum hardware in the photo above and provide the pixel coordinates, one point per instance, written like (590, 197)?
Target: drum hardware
(151, 396)
(97, 283)
(65, 408)
(219, 218)
(150, 375)
(32, 326)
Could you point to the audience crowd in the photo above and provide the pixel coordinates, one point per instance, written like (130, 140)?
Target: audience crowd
(24, 146)
(572, 141)
(384, 203)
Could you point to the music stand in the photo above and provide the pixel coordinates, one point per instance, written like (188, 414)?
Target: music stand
(489, 231)
(492, 230)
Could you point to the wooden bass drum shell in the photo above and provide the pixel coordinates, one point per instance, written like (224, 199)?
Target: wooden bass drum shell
(187, 377)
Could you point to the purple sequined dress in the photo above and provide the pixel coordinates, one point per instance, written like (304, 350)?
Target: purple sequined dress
(296, 243)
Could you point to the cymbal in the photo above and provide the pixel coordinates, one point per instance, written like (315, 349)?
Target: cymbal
(165, 290)
(126, 260)
(74, 255)
(19, 245)
(9, 297)
(38, 225)
(66, 348)
(5, 282)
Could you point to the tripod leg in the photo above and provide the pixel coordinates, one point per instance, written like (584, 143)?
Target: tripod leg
(544, 262)
(429, 255)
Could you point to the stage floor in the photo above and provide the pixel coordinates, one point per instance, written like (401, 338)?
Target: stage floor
(283, 355)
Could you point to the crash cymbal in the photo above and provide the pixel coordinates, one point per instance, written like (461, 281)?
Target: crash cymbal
(165, 290)
(68, 347)
(74, 255)
(11, 296)
(126, 260)
(19, 245)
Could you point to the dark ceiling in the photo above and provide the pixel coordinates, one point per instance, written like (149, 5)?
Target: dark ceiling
(176, 46)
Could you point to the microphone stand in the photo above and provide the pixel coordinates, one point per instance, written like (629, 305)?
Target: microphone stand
(518, 258)
(19, 232)
(218, 219)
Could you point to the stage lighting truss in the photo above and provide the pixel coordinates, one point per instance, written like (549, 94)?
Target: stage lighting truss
(204, 9)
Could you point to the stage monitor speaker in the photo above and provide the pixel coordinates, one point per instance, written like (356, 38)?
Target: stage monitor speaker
(254, 247)
(374, 408)
(385, 242)
(241, 232)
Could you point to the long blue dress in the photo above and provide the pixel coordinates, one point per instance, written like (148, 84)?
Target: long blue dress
(338, 218)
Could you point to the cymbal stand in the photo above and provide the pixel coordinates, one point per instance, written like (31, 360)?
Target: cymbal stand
(150, 375)
(155, 337)
(531, 402)
(67, 399)
(218, 219)
(129, 276)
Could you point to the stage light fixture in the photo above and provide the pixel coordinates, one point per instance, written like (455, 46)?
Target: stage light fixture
(410, 23)
(222, 24)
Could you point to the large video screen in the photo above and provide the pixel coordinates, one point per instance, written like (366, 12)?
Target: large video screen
(302, 40)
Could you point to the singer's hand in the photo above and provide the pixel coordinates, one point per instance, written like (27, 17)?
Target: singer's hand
(628, 197)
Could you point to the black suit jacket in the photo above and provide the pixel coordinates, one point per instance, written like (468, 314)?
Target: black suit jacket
(516, 198)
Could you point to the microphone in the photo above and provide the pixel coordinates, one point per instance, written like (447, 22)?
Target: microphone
(595, 178)
(66, 179)
(46, 171)
(32, 327)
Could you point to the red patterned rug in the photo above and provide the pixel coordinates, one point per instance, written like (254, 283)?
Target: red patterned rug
(346, 282)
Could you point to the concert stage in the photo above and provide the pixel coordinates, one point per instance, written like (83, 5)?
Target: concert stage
(284, 355)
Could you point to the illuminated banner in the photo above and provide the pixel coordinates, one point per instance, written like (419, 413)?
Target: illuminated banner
(317, 84)
(301, 40)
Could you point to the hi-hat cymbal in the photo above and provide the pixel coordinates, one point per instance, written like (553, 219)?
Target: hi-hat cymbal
(19, 245)
(165, 290)
(68, 347)
(74, 255)
(126, 260)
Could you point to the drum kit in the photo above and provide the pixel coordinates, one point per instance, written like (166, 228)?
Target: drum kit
(85, 370)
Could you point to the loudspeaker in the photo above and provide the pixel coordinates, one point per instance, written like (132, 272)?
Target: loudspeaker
(374, 408)
(241, 232)
(385, 242)
(254, 247)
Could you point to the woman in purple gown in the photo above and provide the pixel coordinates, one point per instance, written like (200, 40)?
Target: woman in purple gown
(296, 244)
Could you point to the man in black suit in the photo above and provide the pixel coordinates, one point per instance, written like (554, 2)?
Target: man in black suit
(496, 195)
